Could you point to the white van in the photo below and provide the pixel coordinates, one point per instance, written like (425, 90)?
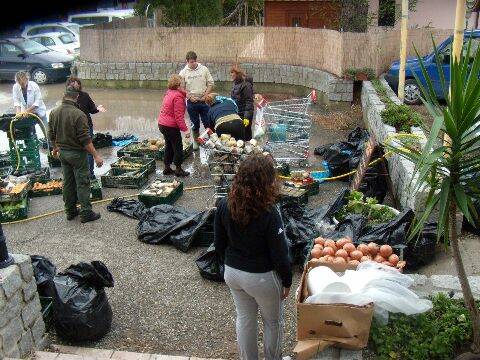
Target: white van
(100, 17)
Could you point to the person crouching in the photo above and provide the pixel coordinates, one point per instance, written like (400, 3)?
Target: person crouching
(223, 114)
(171, 121)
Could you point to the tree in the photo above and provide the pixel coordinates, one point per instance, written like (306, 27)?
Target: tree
(451, 170)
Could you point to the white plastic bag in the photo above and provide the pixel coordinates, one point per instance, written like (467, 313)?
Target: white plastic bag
(259, 121)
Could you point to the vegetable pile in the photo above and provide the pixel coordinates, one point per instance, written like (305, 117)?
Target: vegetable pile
(126, 164)
(48, 186)
(369, 207)
(227, 143)
(343, 251)
(11, 188)
(159, 188)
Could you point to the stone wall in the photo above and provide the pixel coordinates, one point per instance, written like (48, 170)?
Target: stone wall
(22, 329)
(400, 169)
(334, 88)
(425, 286)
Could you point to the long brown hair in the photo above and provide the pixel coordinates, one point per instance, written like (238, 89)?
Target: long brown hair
(254, 189)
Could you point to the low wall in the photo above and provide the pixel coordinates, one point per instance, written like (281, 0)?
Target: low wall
(156, 73)
(22, 329)
(400, 169)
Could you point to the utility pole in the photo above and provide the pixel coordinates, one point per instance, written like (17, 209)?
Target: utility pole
(459, 29)
(403, 50)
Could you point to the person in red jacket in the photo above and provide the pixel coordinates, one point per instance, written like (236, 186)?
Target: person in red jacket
(171, 121)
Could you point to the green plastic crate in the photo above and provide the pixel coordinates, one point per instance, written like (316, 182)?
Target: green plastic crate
(95, 190)
(147, 163)
(187, 151)
(39, 175)
(293, 195)
(117, 178)
(312, 188)
(5, 159)
(9, 215)
(53, 162)
(25, 153)
(5, 171)
(152, 200)
(132, 151)
(204, 237)
(41, 193)
(6, 198)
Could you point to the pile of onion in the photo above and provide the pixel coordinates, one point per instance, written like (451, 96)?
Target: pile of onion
(343, 251)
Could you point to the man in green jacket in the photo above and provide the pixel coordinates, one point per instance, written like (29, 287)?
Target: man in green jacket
(68, 132)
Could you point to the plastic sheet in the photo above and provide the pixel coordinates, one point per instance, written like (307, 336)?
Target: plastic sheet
(211, 265)
(44, 271)
(124, 140)
(387, 288)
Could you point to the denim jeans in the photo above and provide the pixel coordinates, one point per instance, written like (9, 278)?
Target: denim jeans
(196, 111)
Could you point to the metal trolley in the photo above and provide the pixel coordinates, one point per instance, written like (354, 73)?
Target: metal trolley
(223, 166)
(288, 129)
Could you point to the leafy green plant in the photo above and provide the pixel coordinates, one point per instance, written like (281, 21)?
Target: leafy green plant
(369, 207)
(358, 74)
(401, 117)
(435, 335)
(451, 170)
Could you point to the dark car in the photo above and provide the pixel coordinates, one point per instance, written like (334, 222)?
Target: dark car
(43, 64)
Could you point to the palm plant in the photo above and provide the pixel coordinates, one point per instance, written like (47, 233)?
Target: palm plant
(451, 170)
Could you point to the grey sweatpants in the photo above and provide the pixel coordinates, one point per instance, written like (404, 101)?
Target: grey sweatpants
(250, 292)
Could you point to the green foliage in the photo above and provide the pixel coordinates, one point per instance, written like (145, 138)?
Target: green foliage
(366, 206)
(434, 335)
(354, 15)
(402, 117)
(352, 73)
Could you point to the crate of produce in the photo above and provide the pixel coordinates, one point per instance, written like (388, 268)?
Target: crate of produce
(161, 192)
(293, 195)
(187, 151)
(14, 191)
(53, 162)
(124, 178)
(46, 188)
(38, 175)
(5, 159)
(5, 171)
(135, 163)
(312, 187)
(13, 211)
(152, 148)
(95, 190)
(25, 154)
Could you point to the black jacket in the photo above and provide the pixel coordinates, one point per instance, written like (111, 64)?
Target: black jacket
(219, 109)
(86, 104)
(259, 247)
(242, 93)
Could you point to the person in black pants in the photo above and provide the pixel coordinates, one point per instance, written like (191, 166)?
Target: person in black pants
(223, 116)
(242, 93)
(86, 104)
(250, 238)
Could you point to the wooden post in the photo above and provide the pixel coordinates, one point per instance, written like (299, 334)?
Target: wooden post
(403, 50)
(459, 29)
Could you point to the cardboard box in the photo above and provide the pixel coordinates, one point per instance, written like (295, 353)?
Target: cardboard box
(334, 267)
(322, 325)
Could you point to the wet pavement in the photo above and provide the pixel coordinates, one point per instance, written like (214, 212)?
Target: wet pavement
(160, 302)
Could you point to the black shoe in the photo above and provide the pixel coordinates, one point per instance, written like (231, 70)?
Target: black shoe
(90, 216)
(181, 173)
(73, 215)
(168, 171)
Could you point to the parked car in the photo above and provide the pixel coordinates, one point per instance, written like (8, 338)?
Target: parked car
(59, 27)
(43, 64)
(412, 89)
(61, 42)
(100, 17)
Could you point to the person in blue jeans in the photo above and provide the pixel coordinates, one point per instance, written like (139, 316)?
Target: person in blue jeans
(198, 84)
(86, 104)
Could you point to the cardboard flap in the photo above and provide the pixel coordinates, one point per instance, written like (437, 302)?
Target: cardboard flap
(307, 349)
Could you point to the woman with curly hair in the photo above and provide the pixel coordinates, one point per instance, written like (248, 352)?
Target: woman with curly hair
(249, 237)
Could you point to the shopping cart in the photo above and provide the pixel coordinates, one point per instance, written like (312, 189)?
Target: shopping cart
(288, 128)
(223, 166)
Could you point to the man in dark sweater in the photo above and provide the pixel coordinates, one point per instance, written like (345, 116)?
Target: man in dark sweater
(68, 132)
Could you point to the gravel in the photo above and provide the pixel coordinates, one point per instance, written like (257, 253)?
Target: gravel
(160, 302)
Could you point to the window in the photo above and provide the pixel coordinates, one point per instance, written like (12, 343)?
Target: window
(47, 41)
(32, 32)
(66, 38)
(75, 28)
(10, 50)
(85, 20)
(32, 47)
(296, 22)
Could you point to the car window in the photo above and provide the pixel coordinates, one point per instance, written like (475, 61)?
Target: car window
(75, 28)
(32, 32)
(10, 50)
(47, 41)
(81, 20)
(32, 47)
(474, 46)
(66, 38)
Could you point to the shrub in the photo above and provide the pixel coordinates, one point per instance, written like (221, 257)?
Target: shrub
(402, 117)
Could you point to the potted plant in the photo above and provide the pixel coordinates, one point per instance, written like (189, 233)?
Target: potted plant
(451, 170)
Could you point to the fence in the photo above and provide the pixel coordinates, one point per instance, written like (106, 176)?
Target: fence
(328, 50)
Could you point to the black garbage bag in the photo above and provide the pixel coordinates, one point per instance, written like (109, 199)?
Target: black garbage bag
(338, 157)
(352, 226)
(421, 250)
(101, 140)
(300, 230)
(132, 208)
(358, 135)
(44, 271)
(183, 234)
(374, 183)
(210, 265)
(81, 310)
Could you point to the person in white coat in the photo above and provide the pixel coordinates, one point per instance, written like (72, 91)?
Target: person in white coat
(27, 97)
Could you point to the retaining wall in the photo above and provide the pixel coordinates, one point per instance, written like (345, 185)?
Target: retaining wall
(22, 329)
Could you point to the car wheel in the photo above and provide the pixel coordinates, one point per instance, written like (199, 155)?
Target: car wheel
(39, 76)
(412, 92)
